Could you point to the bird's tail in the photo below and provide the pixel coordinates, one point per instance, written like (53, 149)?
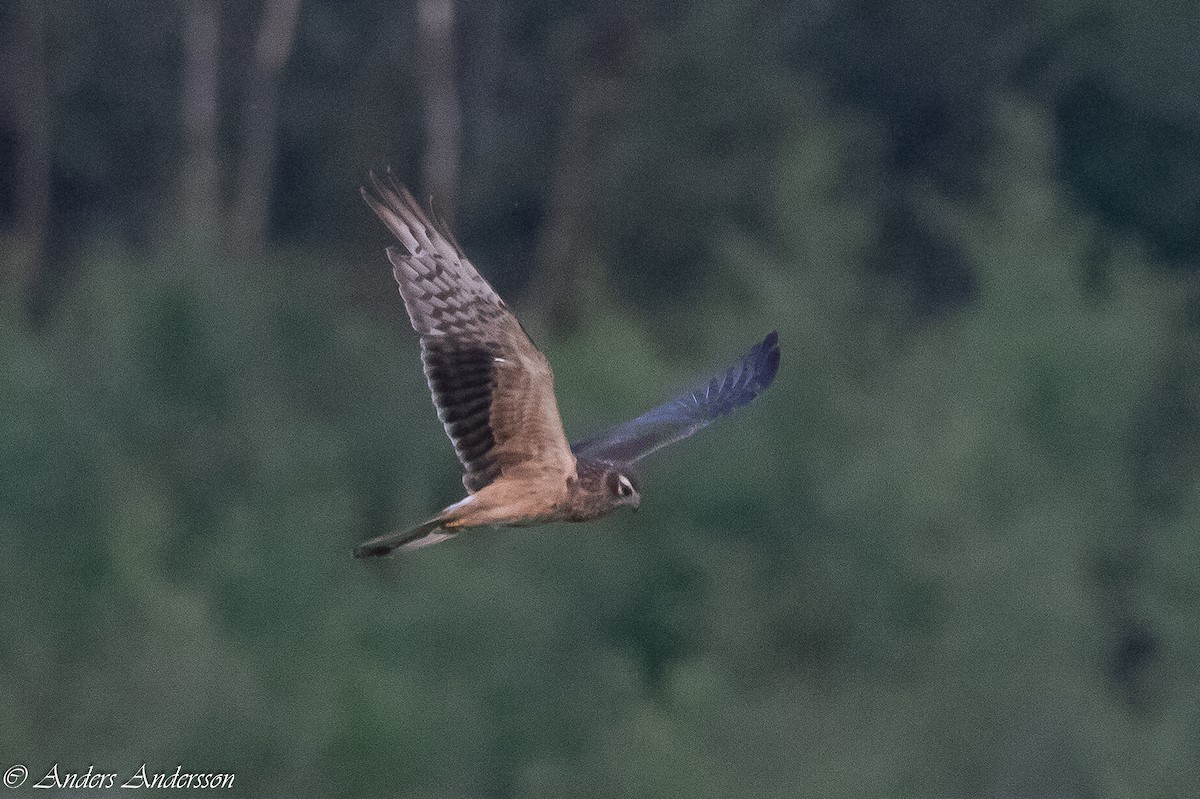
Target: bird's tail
(420, 536)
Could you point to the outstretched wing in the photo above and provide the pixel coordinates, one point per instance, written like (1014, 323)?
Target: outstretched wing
(686, 414)
(492, 388)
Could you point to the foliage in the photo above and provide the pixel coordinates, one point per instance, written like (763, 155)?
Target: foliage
(951, 553)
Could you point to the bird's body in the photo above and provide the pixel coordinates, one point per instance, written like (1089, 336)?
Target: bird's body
(523, 500)
(494, 393)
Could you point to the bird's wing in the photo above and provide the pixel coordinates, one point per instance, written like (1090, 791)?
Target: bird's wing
(493, 389)
(684, 415)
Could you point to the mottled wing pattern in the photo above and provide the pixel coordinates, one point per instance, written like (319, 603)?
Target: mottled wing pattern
(493, 389)
(686, 414)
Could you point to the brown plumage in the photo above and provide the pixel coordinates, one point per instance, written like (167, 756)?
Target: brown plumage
(494, 393)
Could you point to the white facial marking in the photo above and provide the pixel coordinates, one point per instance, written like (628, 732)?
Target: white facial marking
(626, 487)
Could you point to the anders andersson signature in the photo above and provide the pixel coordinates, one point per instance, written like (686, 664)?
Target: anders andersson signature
(141, 777)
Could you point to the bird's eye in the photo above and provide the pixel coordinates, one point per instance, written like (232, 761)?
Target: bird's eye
(624, 487)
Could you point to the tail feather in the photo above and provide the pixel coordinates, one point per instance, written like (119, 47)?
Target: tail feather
(421, 536)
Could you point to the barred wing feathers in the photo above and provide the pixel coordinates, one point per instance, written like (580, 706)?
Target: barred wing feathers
(492, 387)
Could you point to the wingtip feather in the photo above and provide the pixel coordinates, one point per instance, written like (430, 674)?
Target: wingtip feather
(400, 211)
(768, 365)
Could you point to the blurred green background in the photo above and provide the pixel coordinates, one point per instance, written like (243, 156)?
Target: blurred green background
(952, 553)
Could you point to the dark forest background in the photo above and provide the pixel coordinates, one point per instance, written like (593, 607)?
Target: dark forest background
(952, 553)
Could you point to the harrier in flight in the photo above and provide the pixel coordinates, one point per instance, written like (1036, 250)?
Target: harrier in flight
(494, 393)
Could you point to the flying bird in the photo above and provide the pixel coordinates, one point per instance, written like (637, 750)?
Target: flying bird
(494, 393)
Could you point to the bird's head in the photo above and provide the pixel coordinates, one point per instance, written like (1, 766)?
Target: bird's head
(622, 488)
(605, 487)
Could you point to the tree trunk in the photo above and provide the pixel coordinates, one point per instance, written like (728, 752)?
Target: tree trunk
(33, 118)
(595, 103)
(557, 252)
(443, 118)
(199, 190)
(260, 120)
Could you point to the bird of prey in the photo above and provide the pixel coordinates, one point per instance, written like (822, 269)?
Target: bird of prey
(494, 393)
